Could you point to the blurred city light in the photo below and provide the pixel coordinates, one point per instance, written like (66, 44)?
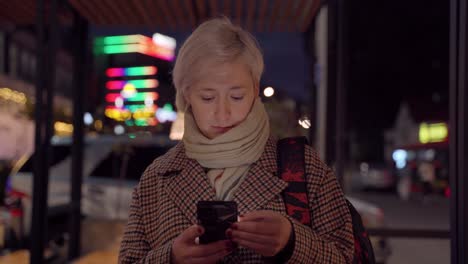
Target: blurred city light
(10, 95)
(128, 91)
(88, 119)
(146, 83)
(142, 97)
(133, 43)
(364, 167)
(119, 102)
(131, 71)
(430, 133)
(429, 154)
(164, 41)
(400, 156)
(149, 101)
(98, 125)
(166, 113)
(119, 130)
(269, 91)
(63, 129)
(304, 122)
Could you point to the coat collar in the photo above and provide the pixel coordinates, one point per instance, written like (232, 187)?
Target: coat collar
(186, 182)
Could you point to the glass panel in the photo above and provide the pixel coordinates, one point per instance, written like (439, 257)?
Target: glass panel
(397, 116)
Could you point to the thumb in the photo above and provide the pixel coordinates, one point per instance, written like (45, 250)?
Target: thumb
(189, 235)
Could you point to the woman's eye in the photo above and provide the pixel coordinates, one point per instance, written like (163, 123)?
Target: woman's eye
(207, 99)
(237, 98)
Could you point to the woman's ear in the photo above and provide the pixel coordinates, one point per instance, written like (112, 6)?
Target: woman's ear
(187, 98)
(256, 89)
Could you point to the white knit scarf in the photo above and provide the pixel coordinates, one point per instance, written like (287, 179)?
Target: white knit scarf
(228, 157)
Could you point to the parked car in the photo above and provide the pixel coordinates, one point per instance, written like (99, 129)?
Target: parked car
(102, 180)
(373, 217)
(374, 176)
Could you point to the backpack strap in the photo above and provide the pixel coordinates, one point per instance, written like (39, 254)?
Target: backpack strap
(291, 168)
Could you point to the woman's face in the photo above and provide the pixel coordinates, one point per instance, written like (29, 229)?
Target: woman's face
(223, 99)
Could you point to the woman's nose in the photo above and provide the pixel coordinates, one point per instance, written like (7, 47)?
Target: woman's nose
(223, 111)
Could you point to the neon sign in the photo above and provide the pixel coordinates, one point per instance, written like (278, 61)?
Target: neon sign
(136, 44)
(131, 71)
(118, 85)
(430, 133)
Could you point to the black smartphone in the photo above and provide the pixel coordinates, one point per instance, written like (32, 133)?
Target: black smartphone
(215, 217)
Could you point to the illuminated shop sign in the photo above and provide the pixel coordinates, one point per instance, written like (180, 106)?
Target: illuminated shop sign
(134, 101)
(160, 46)
(430, 133)
(131, 71)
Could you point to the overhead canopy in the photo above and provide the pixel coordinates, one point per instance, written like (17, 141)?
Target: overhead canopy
(178, 15)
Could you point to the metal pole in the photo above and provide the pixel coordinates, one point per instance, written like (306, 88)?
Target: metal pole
(321, 32)
(342, 82)
(309, 44)
(43, 115)
(38, 214)
(79, 86)
(332, 69)
(458, 131)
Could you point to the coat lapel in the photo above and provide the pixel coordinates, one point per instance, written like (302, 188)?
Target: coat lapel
(188, 186)
(261, 184)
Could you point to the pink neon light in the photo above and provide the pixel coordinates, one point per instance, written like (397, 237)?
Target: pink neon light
(146, 83)
(110, 98)
(115, 85)
(114, 72)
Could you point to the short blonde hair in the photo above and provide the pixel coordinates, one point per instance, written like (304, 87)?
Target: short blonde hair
(214, 42)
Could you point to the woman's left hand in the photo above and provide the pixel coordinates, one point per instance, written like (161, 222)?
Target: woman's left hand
(265, 232)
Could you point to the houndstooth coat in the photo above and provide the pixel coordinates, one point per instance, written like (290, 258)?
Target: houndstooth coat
(164, 205)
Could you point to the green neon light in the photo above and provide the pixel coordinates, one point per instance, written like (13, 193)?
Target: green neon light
(134, 108)
(116, 40)
(126, 48)
(168, 107)
(142, 97)
(137, 71)
(148, 83)
(141, 122)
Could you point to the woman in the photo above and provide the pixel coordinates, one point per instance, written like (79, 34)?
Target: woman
(227, 154)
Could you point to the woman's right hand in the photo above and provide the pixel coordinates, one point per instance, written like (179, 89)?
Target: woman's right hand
(186, 250)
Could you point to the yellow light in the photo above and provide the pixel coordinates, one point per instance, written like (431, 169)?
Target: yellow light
(117, 114)
(63, 129)
(98, 125)
(128, 90)
(143, 113)
(10, 95)
(430, 133)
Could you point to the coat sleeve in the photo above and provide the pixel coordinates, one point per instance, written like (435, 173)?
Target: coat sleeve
(134, 247)
(330, 240)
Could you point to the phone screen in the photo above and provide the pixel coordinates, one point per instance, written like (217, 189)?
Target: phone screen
(215, 217)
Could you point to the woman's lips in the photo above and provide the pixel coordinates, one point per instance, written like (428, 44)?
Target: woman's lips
(222, 129)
